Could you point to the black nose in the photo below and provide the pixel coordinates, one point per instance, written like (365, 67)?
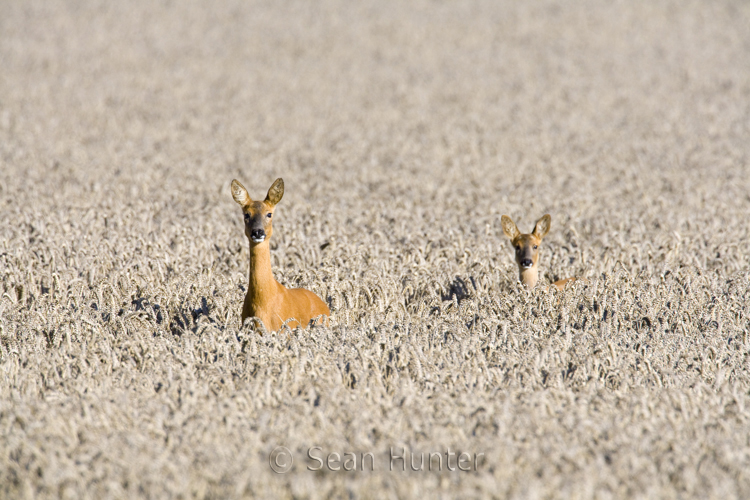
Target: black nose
(257, 234)
(526, 263)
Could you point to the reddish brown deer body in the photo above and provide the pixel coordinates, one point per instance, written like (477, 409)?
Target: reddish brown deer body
(527, 249)
(266, 298)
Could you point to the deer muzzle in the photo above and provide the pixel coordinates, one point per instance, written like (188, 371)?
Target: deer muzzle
(257, 235)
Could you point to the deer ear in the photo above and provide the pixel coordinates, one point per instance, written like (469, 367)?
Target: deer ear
(509, 227)
(542, 226)
(275, 192)
(239, 193)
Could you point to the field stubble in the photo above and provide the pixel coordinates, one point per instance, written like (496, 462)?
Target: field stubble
(402, 133)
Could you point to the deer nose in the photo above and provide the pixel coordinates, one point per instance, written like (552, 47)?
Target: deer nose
(526, 263)
(257, 235)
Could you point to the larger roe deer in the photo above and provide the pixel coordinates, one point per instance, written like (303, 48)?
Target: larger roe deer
(527, 249)
(266, 298)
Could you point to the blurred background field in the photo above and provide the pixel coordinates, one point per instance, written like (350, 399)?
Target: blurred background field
(403, 131)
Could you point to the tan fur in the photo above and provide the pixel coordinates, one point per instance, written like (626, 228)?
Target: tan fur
(527, 249)
(266, 298)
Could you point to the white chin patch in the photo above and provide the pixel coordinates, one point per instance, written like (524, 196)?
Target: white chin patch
(258, 240)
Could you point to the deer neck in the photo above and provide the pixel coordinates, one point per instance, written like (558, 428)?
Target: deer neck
(529, 276)
(261, 285)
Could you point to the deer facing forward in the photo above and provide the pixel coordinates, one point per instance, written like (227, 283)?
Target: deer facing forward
(527, 249)
(267, 299)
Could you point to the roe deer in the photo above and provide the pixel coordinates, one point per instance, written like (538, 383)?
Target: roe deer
(266, 298)
(527, 249)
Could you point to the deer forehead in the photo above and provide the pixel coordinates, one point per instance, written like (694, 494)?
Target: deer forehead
(257, 208)
(526, 241)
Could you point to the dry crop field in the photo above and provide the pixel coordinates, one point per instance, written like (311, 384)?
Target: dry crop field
(403, 131)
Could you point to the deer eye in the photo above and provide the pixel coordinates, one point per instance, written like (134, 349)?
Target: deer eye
(535, 247)
(518, 248)
(269, 215)
(247, 217)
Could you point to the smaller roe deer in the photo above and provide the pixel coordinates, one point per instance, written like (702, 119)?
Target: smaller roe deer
(527, 249)
(266, 298)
